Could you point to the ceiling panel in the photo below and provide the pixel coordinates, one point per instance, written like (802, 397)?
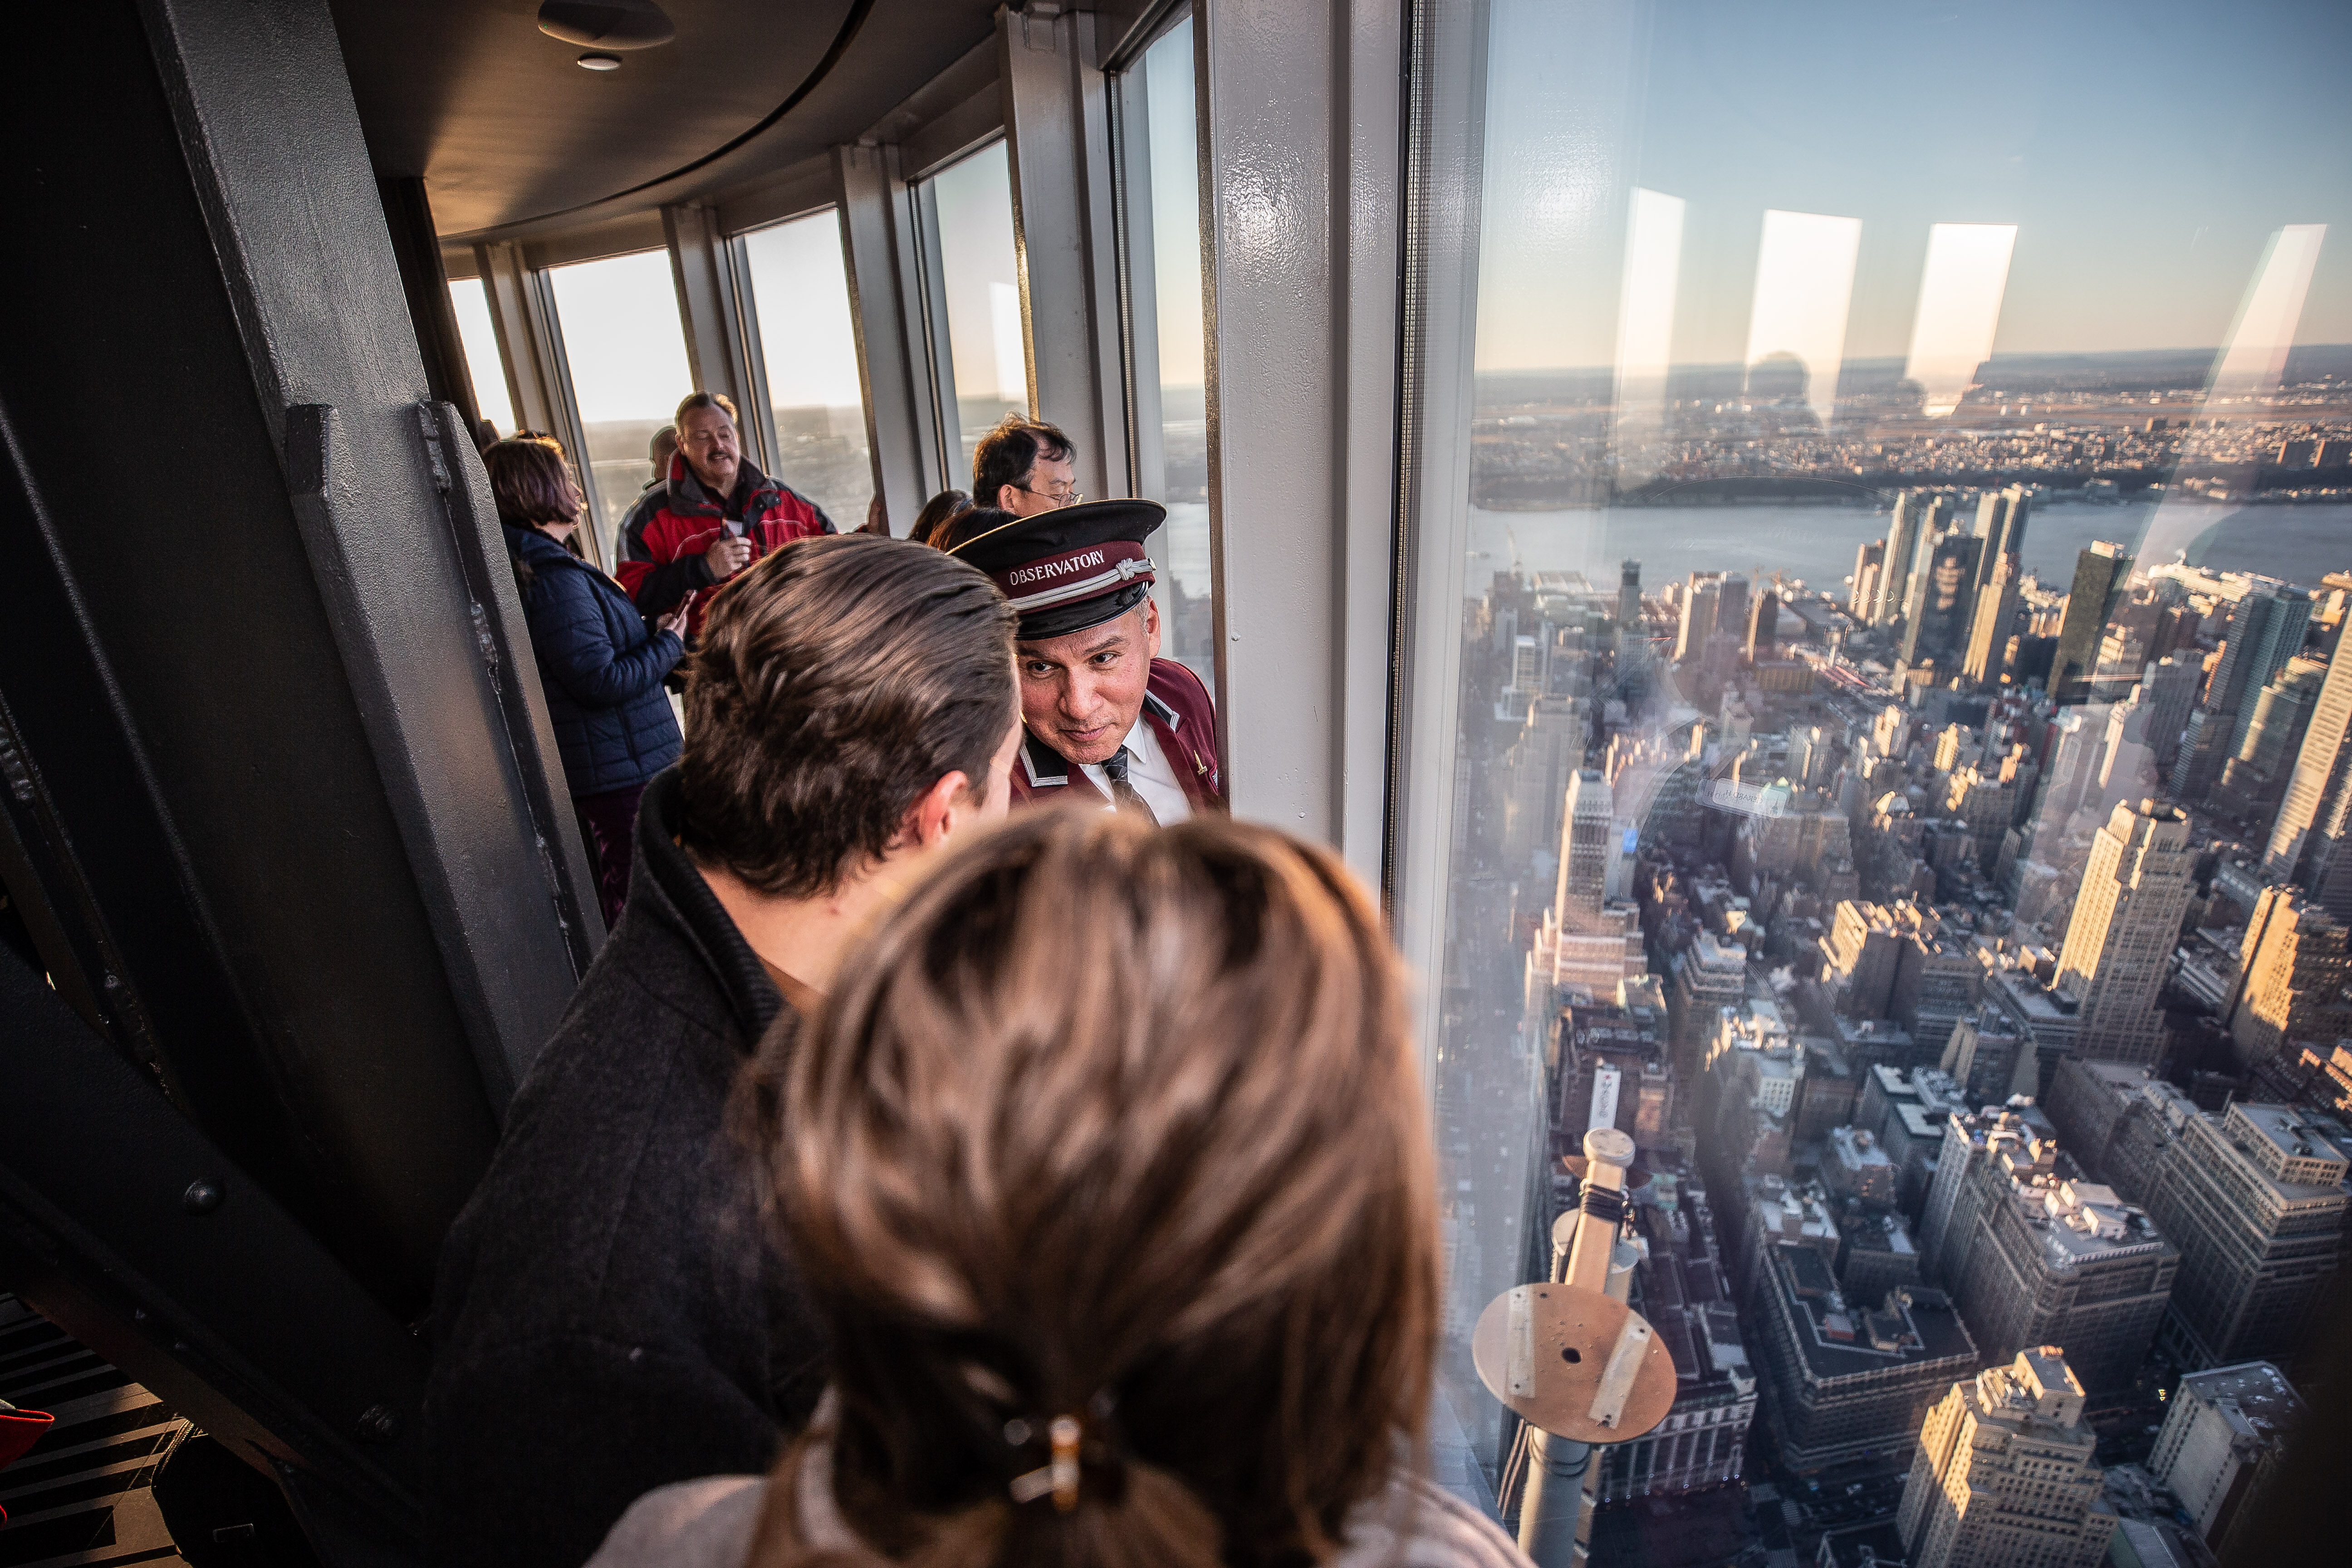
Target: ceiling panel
(511, 134)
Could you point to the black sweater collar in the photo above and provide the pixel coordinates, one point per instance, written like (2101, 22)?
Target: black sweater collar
(685, 902)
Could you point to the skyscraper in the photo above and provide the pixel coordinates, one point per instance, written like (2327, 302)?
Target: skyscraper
(2293, 965)
(2265, 629)
(2170, 688)
(2004, 1473)
(1699, 602)
(1869, 563)
(1903, 531)
(2220, 1426)
(1763, 625)
(2100, 574)
(1731, 606)
(2319, 773)
(2126, 922)
(1585, 846)
(2256, 773)
(2254, 1199)
(2000, 523)
(2053, 1259)
(1987, 659)
(1629, 594)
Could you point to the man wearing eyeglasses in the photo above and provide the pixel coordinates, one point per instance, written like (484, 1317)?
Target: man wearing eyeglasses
(1023, 467)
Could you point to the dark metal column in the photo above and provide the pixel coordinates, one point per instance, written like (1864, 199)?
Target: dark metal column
(281, 802)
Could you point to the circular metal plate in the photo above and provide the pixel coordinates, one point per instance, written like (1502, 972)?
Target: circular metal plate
(1565, 1336)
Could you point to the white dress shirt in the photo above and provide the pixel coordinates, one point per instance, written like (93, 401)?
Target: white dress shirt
(1149, 770)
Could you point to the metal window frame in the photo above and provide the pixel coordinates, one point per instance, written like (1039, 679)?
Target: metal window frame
(757, 405)
(937, 365)
(1134, 236)
(881, 253)
(713, 310)
(1301, 110)
(1059, 150)
(1445, 134)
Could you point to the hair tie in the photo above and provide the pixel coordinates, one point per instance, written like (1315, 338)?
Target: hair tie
(1059, 1474)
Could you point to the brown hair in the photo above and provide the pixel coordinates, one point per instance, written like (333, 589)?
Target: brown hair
(1008, 452)
(694, 400)
(1123, 1124)
(531, 483)
(832, 684)
(932, 523)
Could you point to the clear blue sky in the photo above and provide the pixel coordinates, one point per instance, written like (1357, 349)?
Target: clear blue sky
(2146, 151)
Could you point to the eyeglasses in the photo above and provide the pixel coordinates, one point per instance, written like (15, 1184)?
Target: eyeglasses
(1059, 498)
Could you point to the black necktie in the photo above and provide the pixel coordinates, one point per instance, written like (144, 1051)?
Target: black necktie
(1122, 794)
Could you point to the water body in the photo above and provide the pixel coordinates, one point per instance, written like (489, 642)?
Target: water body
(1817, 544)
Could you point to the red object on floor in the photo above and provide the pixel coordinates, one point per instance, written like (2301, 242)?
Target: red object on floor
(19, 1430)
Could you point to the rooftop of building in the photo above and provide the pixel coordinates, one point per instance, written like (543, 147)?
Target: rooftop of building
(2037, 1003)
(2253, 1396)
(2083, 1223)
(2299, 1158)
(1681, 1289)
(2038, 1390)
(1889, 1233)
(1856, 1147)
(1909, 1327)
(1880, 1032)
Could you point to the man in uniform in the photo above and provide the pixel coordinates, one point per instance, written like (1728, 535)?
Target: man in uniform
(1106, 718)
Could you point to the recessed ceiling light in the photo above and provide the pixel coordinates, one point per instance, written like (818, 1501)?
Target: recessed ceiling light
(600, 62)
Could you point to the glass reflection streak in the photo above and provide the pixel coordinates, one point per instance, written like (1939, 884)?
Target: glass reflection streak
(1804, 284)
(1646, 330)
(1961, 290)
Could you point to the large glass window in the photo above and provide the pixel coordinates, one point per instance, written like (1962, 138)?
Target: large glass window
(800, 291)
(1163, 205)
(1894, 521)
(626, 351)
(484, 366)
(980, 276)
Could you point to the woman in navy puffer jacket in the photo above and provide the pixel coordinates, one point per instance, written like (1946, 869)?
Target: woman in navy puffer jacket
(600, 664)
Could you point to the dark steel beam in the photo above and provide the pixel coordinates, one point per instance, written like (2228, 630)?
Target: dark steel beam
(281, 805)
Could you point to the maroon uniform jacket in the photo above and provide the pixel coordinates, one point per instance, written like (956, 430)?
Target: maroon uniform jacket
(1176, 707)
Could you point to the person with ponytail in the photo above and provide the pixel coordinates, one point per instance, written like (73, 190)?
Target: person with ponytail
(1107, 1164)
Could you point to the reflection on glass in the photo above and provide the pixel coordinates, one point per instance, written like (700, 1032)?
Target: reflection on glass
(484, 368)
(1161, 108)
(1795, 331)
(1940, 554)
(980, 274)
(1646, 330)
(626, 349)
(1959, 307)
(800, 291)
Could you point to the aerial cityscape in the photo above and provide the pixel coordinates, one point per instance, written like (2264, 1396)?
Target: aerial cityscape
(1965, 948)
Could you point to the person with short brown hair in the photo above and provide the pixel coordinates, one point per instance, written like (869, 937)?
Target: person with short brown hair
(711, 515)
(1108, 1161)
(608, 1317)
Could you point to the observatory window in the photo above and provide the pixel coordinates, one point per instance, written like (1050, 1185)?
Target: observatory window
(800, 295)
(626, 350)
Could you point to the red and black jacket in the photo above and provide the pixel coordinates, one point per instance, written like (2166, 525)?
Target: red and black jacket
(1176, 707)
(665, 534)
